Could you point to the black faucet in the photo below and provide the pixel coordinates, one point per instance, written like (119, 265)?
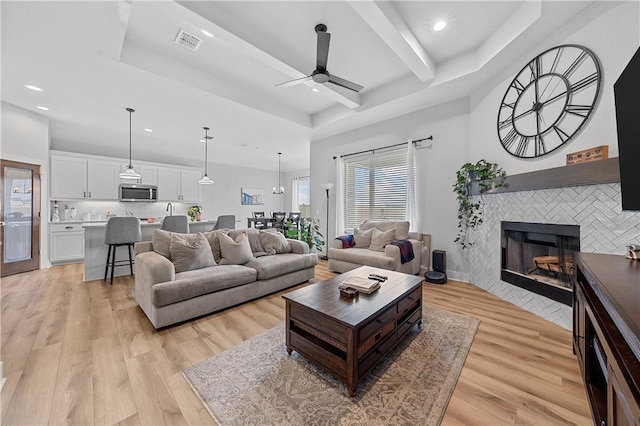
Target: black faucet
(169, 209)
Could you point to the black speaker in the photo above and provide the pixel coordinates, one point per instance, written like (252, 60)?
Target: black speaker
(438, 275)
(440, 261)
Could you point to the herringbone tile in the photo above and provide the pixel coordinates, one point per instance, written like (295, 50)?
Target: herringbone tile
(604, 228)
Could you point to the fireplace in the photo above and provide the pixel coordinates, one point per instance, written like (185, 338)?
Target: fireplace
(539, 257)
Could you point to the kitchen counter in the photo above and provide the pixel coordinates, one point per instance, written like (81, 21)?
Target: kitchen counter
(95, 250)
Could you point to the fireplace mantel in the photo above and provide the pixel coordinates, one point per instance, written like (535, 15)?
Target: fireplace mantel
(593, 173)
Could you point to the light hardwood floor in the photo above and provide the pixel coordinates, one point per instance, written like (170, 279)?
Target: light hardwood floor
(83, 353)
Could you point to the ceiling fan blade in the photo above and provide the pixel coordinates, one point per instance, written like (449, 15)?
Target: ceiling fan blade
(345, 83)
(323, 50)
(294, 82)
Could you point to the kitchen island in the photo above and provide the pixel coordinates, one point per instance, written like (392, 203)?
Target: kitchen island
(95, 250)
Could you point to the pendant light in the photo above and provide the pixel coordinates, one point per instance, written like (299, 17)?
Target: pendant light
(205, 179)
(280, 189)
(130, 172)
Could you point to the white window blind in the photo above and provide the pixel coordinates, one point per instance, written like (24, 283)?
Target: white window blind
(375, 187)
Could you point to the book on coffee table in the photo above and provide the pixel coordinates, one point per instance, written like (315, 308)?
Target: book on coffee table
(363, 285)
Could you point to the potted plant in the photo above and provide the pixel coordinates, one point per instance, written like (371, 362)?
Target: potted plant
(488, 175)
(308, 230)
(195, 212)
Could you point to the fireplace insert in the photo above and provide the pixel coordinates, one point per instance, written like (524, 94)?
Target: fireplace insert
(539, 257)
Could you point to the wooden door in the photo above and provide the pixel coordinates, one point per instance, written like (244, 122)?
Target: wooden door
(19, 217)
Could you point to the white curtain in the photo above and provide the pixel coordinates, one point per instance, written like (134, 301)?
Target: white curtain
(411, 209)
(339, 230)
(295, 205)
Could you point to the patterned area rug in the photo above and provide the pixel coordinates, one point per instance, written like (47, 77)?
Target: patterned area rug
(257, 383)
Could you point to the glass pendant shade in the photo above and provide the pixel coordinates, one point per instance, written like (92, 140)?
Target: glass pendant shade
(130, 172)
(206, 180)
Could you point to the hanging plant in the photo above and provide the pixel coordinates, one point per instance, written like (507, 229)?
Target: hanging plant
(488, 175)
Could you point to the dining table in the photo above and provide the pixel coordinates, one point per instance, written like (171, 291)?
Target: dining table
(252, 221)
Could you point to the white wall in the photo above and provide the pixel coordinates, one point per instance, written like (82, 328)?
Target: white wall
(223, 197)
(449, 125)
(613, 36)
(25, 138)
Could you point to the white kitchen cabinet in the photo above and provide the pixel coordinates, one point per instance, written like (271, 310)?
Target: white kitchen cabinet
(103, 179)
(189, 187)
(68, 177)
(66, 243)
(168, 184)
(82, 178)
(178, 185)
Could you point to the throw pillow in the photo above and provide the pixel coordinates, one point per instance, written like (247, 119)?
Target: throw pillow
(254, 238)
(161, 240)
(274, 242)
(214, 242)
(190, 251)
(362, 238)
(380, 239)
(236, 252)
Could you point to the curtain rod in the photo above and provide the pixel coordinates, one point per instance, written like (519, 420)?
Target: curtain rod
(429, 138)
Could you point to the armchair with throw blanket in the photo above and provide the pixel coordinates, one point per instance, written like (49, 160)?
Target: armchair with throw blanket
(382, 244)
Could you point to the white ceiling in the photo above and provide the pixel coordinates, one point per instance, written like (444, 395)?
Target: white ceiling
(94, 59)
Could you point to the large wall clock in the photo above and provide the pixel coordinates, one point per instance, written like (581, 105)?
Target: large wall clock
(549, 101)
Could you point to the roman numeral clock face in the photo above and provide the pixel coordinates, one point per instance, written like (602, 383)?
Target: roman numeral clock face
(549, 101)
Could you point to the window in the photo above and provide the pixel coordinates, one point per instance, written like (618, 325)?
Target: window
(302, 202)
(375, 187)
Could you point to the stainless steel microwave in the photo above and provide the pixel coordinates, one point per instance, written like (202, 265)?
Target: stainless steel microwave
(135, 192)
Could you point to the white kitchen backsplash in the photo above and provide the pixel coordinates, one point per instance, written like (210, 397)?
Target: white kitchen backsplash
(98, 210)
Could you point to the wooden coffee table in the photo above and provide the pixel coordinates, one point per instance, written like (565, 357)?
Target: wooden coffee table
(346, 336)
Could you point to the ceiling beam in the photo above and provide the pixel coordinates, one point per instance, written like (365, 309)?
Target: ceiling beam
(384, 19)
(351, 100)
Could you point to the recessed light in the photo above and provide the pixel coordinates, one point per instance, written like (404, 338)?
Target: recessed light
(315, 90)
(242, 144)
(148, 130)
(207, 33)
(439, 26)
(32, 87)
(43, 108)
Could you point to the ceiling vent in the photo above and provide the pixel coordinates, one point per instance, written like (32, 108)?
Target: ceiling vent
(188, 40)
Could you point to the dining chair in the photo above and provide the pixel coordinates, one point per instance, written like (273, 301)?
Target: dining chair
(278, 220)
(259, 224)
(293, 220)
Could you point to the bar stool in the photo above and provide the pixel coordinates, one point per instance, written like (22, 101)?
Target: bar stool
(179, 224)
(121, 231)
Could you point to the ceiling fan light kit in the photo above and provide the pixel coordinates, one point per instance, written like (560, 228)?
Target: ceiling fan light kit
(206, 180)
(320, 74)
(130, 173)
(279, 190)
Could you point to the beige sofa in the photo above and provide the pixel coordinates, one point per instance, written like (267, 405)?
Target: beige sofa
(345, 259)
(167, 297)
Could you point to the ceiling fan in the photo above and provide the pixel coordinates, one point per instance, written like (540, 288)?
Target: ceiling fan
(320, 74)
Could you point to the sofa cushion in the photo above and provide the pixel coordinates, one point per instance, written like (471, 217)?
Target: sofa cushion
(236, 252)
(363, 257)
(161, 240)
(274, 242)
(380, 239)
(195, 283)
(362, 237)
(254, 238)
(274, 266)
(190, 251)
(401, 227)
(214, 241)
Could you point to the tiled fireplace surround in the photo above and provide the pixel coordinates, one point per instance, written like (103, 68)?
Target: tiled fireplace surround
(604, 228)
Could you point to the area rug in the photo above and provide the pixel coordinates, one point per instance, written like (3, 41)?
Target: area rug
(257, 383)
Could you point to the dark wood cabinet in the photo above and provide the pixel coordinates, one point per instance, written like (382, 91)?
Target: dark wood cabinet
(606, 336)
